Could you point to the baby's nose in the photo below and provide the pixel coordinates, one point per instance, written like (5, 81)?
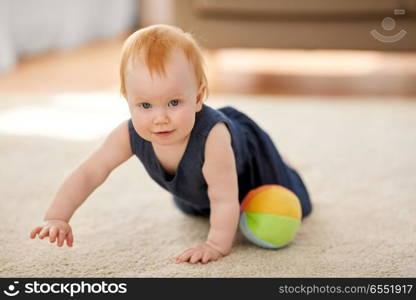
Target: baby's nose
(161, 116)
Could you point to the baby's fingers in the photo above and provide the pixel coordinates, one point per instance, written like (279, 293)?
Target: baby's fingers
(185, 255)
(196, 257)
(61, 238)
(44, 232)
(69, 239)
(53, 232)
(206, 258)
(182, 254)
(35, 232)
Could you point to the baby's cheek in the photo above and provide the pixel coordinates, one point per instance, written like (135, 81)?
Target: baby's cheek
(144, 134)
(141, 130)
(187, 122)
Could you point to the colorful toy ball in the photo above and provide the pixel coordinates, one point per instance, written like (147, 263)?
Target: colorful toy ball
(270, 216)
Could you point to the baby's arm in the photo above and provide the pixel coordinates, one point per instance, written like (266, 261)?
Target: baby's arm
(81, 183)
(221, 176)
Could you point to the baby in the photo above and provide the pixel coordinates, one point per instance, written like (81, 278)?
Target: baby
(208, 159)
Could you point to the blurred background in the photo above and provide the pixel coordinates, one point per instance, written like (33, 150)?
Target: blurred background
(302, 47)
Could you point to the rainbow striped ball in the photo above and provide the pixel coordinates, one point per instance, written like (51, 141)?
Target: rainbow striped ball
(270, 216)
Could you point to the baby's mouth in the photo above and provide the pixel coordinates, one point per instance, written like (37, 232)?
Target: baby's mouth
(162, 133)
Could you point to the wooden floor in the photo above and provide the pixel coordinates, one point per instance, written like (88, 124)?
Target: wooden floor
(94, 68)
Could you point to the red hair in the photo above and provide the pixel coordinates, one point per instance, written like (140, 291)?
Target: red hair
(153, 44)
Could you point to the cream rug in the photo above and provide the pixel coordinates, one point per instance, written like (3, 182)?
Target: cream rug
(357, 156)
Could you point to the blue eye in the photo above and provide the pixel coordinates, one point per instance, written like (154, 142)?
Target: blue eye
(145, 105)
(174, 102)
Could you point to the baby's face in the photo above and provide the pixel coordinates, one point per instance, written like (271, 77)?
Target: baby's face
(163, 108)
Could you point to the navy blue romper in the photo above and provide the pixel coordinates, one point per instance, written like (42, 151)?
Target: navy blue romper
(257, 161)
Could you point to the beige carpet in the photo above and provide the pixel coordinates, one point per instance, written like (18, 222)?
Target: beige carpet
(357, 156)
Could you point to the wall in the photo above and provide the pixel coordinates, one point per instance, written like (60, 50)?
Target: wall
(29, 27)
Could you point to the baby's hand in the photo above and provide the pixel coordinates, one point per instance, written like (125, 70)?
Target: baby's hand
(57, 230)
(200, 252)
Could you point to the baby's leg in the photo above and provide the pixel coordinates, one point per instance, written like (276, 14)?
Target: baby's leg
(269, 168)
(191, 210)
(301, 191)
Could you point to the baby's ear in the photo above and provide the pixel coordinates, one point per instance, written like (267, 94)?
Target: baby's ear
(200, 98)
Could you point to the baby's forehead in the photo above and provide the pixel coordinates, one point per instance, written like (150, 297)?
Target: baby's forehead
(178, 74)
(173, 64)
